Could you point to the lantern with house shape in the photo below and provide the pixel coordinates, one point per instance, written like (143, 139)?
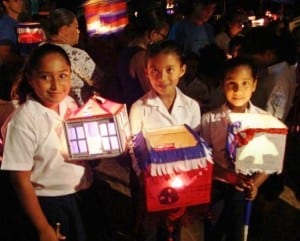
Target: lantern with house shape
(177, 167)
(105, 16)
(256, 143)
(98, 129)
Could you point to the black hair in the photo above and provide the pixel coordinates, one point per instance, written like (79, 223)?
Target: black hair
(147, 20)
(164, 47)
(33, 63)
(234, 63)
(58, 18)
(9, 75)
(260, 39)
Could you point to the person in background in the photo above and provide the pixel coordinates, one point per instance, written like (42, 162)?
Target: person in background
(234, 47)
(63, 31)
(9, 81)
(277, 78)
(149, 26)
(211, 63)
(194, 32)
(190, 83)
(234, 24)
(163, 106)
(239, 83)
(45, 183)
(10, 9)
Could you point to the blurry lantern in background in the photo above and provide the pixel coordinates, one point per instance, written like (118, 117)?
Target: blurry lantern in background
(100, 128)
(170, 7)
(30, 35)
(105, 17)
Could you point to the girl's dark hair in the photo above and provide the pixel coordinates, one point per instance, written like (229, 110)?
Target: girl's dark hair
(232, 64)
(33, 63)
(58, 18)
(9, 75)
(146, 20)
(164, 47)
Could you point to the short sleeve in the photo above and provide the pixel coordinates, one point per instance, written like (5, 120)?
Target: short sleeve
(19, 148)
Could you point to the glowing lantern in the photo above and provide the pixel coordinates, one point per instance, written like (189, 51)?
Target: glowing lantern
(256, 143)
(105, 16)
(30, 35)
(177, 167)
(100, 128)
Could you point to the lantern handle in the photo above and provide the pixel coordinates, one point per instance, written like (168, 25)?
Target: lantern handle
(98, 98)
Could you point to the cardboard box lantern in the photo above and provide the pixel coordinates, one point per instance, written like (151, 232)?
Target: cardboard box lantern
(177, 167)
(105, 16)
(256, 143)
(99, 128)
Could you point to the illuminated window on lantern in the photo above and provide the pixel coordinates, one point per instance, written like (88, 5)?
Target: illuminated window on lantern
(109, 135)
(93, 137)
(77, 140)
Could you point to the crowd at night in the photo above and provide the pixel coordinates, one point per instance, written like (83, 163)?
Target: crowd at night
(149, 120)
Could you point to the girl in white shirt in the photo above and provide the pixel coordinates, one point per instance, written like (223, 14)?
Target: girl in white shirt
(164, 105)
(35, 148)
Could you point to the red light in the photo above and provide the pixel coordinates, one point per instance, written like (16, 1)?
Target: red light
(176, 182)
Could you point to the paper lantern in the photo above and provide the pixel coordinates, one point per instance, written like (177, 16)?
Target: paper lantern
(105, 16)
(30, 35)
(256, 143)
(100, 128)
(177, 167)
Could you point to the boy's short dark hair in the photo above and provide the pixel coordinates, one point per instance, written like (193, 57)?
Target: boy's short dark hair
(258, 40)
(232, 64)
(164, 46)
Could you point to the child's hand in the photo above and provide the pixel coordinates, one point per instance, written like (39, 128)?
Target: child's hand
(130, 145)
(247, 185)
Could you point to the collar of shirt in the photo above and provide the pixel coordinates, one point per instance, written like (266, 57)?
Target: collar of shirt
(66, 106)
(154, 100)
(249, 109)
(277, 68)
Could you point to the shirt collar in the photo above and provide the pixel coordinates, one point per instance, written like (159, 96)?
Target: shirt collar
(225, 108)
(154, 100)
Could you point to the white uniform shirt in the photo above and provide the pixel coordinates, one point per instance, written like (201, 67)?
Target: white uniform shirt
(35, 141)
(214, 130)
(276, 90)
(150, 112)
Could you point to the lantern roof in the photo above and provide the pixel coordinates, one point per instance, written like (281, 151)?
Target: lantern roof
(97, 106)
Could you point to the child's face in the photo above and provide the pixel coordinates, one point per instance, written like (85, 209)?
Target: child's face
(51, 81)
(239, 84)
(164, 71)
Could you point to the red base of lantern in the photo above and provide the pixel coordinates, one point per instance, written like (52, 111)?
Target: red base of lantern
(179, 190)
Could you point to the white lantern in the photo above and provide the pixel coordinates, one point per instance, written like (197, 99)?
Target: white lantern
(257, 142)
(99, 129)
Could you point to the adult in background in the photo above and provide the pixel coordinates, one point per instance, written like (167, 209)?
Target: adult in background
(233, 26)
(277, 78)
(194, 32)
(10, 11)
(147, 27)
(86, 76)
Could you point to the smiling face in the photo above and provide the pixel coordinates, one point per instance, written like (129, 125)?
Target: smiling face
(164, 71)
(51, 80)
(239, 84)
